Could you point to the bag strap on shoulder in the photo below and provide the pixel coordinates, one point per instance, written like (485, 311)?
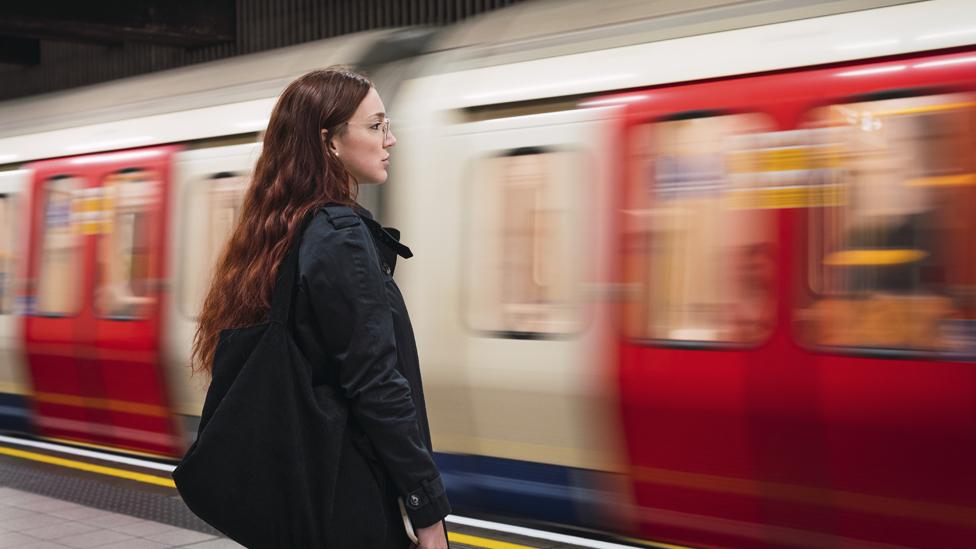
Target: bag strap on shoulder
(284, 288)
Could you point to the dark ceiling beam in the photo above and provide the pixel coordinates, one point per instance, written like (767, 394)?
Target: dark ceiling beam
(163, 22)
(61, 31)
(19, 51)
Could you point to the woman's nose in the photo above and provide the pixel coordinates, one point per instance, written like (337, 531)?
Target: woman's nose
(391, 140)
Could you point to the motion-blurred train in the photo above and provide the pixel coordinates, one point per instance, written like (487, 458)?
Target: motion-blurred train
(695, 273)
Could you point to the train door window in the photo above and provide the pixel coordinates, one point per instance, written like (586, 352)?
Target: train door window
(59, 261)
(213, 207)
(894, 267)
(8, 232)
(120, 214)
(701, 262)
(523, 265)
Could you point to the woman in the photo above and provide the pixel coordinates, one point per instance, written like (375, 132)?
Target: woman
(329, 133)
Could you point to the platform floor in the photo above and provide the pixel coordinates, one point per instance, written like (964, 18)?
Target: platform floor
(32, 521)
(55, 496)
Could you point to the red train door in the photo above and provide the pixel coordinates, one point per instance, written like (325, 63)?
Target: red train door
(93, 299)
(702, 328)
(797, 253)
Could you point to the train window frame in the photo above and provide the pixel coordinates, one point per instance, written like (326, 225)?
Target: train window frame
(806, 295)
(139, 302)
(9, 285)
(188, 191)
(40, 236)
(768, 122)
(582, 318)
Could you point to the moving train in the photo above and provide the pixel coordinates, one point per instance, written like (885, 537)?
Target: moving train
(687, 273)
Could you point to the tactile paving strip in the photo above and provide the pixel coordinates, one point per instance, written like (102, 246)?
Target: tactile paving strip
(94, 492)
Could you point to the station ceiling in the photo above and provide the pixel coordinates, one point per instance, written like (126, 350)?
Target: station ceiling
(50, 45)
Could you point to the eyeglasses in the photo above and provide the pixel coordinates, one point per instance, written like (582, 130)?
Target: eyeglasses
(375, 127)
(383, 126)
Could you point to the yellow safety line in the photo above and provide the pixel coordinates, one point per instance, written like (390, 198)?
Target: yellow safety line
(91, 468)
(484, 542)
(476, 541)
(127, 451)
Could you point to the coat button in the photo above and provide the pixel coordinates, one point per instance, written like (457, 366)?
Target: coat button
(386, 268)
(414, 500)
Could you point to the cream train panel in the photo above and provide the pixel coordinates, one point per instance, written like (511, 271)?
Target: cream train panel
(13, 234)
(501, 293)
(594, 68)
(205, 199)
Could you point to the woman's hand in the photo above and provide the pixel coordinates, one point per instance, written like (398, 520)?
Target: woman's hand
(432, 537)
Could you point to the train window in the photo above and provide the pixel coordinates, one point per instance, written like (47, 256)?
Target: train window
(523, 267)
(212, 208)
(57, 292)
(8, 231)
(893, 266)
(702, 263)
(121, 219)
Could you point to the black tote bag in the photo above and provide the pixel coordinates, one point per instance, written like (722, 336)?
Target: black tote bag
(263, 468)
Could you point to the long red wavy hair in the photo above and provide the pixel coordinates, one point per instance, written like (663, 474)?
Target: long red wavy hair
(296, 173)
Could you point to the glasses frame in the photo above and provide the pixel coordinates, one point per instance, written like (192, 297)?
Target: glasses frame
(384, 127)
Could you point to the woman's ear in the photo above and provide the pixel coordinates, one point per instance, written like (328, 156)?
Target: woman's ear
(328, 142)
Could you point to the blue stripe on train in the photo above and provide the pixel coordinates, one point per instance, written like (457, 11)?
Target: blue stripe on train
(534, 491)
(15, 413)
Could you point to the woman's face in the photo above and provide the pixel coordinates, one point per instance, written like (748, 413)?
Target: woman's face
(363, 144)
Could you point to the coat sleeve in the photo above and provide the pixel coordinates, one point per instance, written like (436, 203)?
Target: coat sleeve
(348, 296)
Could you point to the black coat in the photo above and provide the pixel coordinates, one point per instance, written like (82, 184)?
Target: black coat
(350, 319)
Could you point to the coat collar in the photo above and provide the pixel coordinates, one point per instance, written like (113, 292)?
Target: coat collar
(389, 236)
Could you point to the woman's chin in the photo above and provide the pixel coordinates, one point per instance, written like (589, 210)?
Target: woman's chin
(374, 179)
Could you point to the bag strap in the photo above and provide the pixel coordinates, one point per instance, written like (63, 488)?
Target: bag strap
(284, 289)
